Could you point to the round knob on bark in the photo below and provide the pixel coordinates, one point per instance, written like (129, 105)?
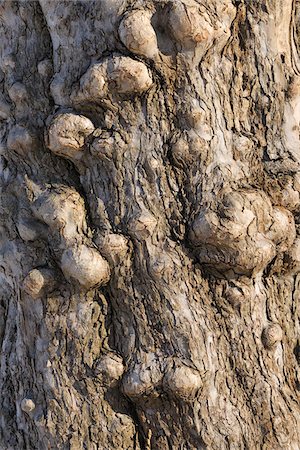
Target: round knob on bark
(142, 380)
(29, 229)
(282, 230)
(112, 245)
(8, 62)
(234, 296)
(188, 26)
(241, 232)
(182, 382)
(143, 225)
(18, 92)
(133, 386)
(138, 35)
(61, 209)
(67, 134)
(162, 265)
(27, 405)
(20, 140)
(271, 335)
(180, 152)
(129, 76)
(109, 369)
(292, 258)
(36, 281)
(86, 266)
(93, 84)
(45, 67)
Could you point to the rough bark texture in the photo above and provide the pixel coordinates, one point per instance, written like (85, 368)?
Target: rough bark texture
(150, 186)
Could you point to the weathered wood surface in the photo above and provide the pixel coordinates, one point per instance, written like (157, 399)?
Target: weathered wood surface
(150, 206)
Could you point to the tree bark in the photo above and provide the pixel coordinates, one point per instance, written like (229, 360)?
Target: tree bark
(149, 242)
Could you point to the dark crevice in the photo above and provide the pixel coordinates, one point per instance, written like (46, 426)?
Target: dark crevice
(138, 425)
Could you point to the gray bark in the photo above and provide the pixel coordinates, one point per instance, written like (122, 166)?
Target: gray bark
(149, 241)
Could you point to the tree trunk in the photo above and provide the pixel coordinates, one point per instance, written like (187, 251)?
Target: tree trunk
(150, 205)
